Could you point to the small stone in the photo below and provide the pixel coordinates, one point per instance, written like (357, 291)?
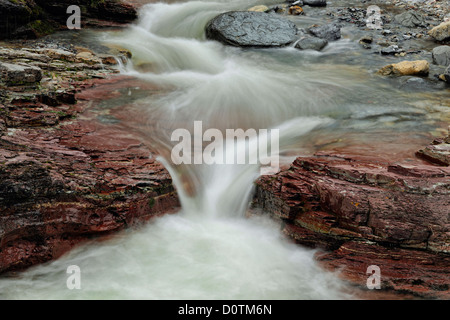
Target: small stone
(315, 3)
(366, 39)
(393, 49)
(441, 32)
(311, 43)
(261, 8)
(406, 68)
(295, 10)
(441, 55)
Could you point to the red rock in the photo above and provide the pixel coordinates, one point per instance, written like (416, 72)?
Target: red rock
(83, 178)
(334, 201)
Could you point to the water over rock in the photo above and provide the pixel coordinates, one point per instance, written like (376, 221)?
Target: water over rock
(251, 29)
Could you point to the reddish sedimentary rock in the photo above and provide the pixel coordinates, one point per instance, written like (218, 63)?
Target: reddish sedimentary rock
(367, 212)
(60, 185)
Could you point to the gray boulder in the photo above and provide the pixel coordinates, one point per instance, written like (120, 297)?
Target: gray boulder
(251, 29)
(441, 55)
(329, 32)
(410, 19)
(311, 43)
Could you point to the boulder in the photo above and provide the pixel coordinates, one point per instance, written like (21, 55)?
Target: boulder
(441, 55)
(329, 32)
(410, 19)
(406, 68)
(15, 74)
(441, 32)
(251, 29)
(311, 43)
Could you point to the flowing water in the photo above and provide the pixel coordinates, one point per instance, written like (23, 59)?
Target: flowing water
(210, 249)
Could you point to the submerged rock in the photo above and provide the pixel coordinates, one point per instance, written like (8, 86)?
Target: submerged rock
(329, 32)
(251, 29)
(406, 68)
(441, 55)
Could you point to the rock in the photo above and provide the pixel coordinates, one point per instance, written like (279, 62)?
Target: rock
(311, 43)
(329, 32)
(366, 39)
(87, 57)
(410, 19)
(251, 29)
(441, 55)
(84, 178)
(446, 74)
(441, 32)
(295, 10)
(14, 74)
(406, 68)
(315, 3)
(260, 8)
(330, 201)
(30, 19)
(437, 152)
(58, 54)
(393, 49)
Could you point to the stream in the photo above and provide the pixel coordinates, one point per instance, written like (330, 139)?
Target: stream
(212, 248)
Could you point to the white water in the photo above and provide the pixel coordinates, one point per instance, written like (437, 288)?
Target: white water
(208, 250)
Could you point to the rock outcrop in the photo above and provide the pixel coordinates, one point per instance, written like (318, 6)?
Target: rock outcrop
(64, 178)
(251, 29)
(29, 19)
(367, 213)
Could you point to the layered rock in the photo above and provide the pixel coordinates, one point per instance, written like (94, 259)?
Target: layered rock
(367, 213)
(65, 178)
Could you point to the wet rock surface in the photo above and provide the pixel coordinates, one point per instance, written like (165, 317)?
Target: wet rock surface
(365, 212)
(65, 174)
(30, 19)
(251, 29)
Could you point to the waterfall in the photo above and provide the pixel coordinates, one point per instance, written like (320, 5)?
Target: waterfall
(210, 249)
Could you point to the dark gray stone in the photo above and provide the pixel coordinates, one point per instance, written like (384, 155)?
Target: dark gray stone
(441, 55)
(315, 3)
(251, 29)
(311, 43)
(329, 32)
(410, 19)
